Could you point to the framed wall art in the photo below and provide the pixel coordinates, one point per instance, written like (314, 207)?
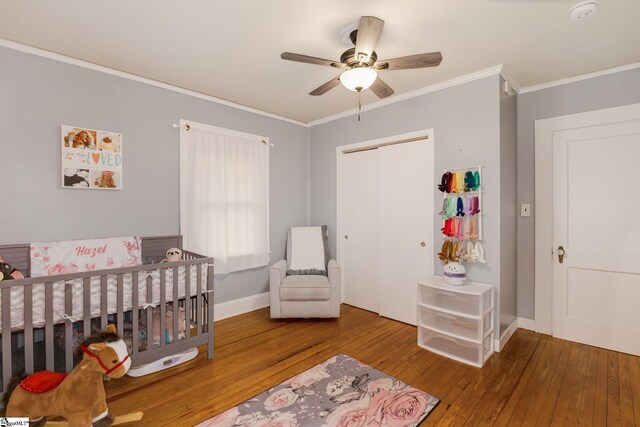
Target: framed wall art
(91, 158)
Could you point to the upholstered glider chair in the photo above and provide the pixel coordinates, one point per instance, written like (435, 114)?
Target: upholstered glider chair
(306, 283)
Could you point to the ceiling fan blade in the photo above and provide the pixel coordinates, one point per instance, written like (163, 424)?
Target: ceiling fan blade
(326, 87)
(421, 60)
(369, 31)
(381, 89)
(311, 60)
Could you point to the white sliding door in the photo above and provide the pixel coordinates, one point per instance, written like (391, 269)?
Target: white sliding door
(405, 226)
(385, 224)
(359, 204)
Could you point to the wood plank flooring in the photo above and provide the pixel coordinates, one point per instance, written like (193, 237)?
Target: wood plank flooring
(536, 380)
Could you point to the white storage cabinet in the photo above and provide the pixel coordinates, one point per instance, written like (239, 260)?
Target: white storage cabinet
(456, 321)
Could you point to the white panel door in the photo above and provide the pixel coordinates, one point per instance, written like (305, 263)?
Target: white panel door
(406, 226)
(596, 219)
(359, 225)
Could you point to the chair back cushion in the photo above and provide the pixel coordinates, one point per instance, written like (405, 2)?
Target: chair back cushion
(307, 250)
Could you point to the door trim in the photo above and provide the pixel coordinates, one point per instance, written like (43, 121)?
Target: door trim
(544, 250)
(364, 145)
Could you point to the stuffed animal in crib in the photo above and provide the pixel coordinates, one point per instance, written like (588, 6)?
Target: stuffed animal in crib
(78, 396)
(455, 273)
(9, 273)
(173, 254)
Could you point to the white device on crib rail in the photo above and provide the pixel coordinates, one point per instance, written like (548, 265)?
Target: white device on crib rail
(163, 363)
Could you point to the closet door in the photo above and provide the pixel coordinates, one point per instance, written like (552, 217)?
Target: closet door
(359, 214)
(405, 209)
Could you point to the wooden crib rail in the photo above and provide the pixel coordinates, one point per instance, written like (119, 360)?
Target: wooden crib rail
(105, 272)
(18, 255)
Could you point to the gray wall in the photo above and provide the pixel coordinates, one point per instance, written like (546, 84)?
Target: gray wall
(38, 95)
(612, 90)
(465, 121)
(508, 198)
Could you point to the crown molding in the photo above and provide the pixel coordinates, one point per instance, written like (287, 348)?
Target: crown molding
(581, 77)
(515, 86)
(414, 93)
(111, 71)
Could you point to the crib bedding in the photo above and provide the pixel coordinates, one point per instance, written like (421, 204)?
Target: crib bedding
(77, 334)
(77, 331)
(77, 290)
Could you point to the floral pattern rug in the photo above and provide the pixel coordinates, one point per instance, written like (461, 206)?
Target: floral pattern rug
(340, 392)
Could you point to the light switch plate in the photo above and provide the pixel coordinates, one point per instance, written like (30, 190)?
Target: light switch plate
(525, 209)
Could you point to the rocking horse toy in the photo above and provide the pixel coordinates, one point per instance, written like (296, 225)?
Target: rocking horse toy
(78, 396)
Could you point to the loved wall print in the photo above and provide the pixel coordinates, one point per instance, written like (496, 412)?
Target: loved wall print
(91, 158)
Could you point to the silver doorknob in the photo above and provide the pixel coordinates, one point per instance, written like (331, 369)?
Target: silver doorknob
(346, 236)
(561, 253)
(423, 244)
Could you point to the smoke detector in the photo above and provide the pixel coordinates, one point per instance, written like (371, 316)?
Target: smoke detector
(583, 10)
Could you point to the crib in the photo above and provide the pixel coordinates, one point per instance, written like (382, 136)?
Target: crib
(34, 311)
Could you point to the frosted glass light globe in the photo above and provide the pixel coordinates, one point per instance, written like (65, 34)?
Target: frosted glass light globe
(357, 79)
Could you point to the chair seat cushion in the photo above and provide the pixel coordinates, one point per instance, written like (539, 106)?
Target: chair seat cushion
(305, 288)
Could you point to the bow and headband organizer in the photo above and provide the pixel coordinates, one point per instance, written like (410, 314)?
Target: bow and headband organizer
(462, 215)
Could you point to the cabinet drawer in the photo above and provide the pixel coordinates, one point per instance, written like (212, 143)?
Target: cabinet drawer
(457, 349)
(456, 326)
(454, 303)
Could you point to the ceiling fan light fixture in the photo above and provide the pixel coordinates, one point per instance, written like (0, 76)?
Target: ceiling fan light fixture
(358, 79)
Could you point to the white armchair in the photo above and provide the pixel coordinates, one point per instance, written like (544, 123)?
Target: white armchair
(304, 295)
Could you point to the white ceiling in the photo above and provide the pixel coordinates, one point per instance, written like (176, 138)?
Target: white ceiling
(231, 49)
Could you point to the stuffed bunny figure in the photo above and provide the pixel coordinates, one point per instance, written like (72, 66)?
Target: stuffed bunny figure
(455, 273)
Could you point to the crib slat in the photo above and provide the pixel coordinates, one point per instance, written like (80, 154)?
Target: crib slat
(68, 327)
(120, 308)
(210, 295)
(135, 312)
(176, 308)
(187, 301)
(103, 302)
(149, 312)
(48, 327)
(163, 305)
(199, 306)
(86, 306)
(6, 337)
(28, 329)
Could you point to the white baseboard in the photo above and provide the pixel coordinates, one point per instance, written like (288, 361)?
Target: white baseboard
(528, 324)
(507, 335)
(238, 306)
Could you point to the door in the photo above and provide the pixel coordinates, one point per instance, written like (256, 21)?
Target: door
(359, 213)
(405, 226)
(596, 206)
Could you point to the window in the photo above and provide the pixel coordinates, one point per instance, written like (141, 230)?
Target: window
(224, 196)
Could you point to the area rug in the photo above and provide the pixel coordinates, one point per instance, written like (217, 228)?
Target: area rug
(341, 392)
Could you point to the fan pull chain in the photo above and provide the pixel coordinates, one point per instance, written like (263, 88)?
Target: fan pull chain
(359, 105)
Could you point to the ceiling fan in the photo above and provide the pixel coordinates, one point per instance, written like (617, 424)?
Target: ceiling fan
(361, 64)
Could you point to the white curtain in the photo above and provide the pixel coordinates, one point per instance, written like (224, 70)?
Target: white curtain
(224, 198)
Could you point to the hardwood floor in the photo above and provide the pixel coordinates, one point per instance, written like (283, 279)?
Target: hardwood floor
(536, 380)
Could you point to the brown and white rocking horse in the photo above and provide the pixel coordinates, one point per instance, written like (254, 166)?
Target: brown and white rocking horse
(78, 396)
